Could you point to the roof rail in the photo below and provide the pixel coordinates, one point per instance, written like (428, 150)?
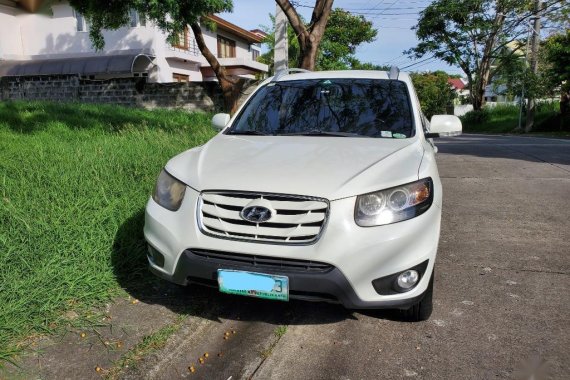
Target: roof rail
(282, 73)
(394, 72)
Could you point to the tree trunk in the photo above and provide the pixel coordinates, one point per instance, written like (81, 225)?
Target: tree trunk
(478, 94)
(231, 87)
(484, 69)
(309, 38)
(308, 56)
(477, 102)
(531, 104)
(564, 109)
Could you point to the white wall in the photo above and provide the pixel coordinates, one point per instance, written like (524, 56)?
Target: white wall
(52, 33)
(180, 67)
(211, 39)
(10, 36)
(44, 35)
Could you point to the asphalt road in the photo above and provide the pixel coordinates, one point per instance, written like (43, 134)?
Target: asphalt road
(501, 295)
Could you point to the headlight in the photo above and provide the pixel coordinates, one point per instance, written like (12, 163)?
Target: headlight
(395, 204)
(168, 191)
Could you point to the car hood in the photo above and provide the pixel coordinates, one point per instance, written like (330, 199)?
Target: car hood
(326, 167)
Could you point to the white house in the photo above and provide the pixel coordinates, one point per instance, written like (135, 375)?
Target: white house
(47, 37)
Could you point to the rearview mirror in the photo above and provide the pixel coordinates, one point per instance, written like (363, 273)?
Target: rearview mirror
(444, 126)
(220, 120)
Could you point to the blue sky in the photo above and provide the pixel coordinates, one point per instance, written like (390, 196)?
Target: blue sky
(393, 19)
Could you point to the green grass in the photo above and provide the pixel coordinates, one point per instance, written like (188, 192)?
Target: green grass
(280, 331)
(505, 119)
(74, 180)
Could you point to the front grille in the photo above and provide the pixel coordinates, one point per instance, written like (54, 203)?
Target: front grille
(263, 262)
(297, 220)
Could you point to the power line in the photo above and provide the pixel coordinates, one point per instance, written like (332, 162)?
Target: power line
(383, 14)
(418, 62)
(395, 59)
(425, 63)
(373, 10)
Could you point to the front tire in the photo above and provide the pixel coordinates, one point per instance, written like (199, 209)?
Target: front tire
(422, 310)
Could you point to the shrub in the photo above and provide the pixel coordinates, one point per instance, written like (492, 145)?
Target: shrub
(475, 117)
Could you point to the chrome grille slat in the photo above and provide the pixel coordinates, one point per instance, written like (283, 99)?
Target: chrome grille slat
(304, 218)
(301, 204)
(297, 219)
(258, 230)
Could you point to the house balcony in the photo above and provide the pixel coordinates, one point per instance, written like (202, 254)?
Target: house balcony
(245, 63)
(241, 67)
(189, 51)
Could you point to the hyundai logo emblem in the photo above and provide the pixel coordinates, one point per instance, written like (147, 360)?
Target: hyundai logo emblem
(256, 214)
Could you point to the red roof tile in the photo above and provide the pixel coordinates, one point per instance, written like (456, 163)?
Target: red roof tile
(456, 83)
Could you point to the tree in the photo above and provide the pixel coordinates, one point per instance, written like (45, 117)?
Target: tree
(343, 34)
(355, 64)
(434, 92)
(511, 78)
(171, 16)
(309, 36)
(556, 54)
(471, 34)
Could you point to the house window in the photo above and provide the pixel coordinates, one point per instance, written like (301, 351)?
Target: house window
(180, 77)
(80, 23)
(254, 54)
(226, 47)
(181, 40)
(136, 19)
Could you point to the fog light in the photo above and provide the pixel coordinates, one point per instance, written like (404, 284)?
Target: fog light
(156, 257)
(408, 279)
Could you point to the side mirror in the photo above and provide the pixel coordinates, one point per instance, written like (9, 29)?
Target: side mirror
(444, 126)
(220, 120)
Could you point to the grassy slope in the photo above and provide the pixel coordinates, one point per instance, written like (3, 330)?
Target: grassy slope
(505, 118)
(74, 180)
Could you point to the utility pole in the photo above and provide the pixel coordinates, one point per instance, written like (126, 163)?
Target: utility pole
(280, 53)
(531, 104)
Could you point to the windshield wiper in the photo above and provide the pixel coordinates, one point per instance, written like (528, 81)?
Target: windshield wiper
(316, 132)
(248, 132)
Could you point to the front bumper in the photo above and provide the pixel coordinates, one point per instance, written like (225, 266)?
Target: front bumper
(357, 255)
(328, 286)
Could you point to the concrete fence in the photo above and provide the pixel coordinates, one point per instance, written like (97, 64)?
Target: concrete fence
(134, 92)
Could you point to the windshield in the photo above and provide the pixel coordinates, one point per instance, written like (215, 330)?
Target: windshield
(329, 107)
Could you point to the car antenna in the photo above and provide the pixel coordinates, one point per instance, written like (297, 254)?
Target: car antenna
(394, 72)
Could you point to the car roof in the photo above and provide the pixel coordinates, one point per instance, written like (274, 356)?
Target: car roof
(338, 74)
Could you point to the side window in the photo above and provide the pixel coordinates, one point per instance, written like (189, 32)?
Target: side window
(226, 47)
(80, 23)
(181, 40)
(136, 19)
(176, 77)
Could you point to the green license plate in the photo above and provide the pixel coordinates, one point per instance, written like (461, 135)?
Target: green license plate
(252, 284)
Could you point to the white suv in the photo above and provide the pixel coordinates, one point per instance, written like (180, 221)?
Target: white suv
(323, 186)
